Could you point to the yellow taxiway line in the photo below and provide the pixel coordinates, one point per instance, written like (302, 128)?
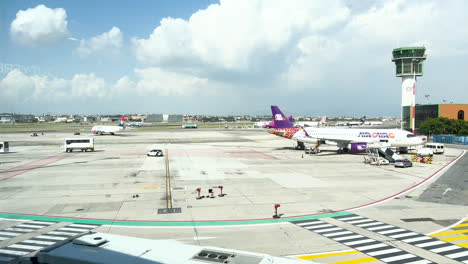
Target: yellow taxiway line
(356, 261)
(462, 231)
(315, 256)
(168, 182)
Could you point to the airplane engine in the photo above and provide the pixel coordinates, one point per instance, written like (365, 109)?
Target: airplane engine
(358, 147)
(307, 140)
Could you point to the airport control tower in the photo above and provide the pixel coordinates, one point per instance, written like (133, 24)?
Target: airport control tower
(409, 64)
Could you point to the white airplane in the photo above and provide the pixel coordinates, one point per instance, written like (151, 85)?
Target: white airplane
(322, 122)
(101, 130)
(354, 140)
(136, 124)
(373, 123)
(361, 122)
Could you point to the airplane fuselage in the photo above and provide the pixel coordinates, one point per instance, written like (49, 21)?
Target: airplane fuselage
(345, 136)
(106, 129)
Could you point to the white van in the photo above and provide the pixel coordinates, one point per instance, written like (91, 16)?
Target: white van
(437, 148)
(4, 146)
(83, 144)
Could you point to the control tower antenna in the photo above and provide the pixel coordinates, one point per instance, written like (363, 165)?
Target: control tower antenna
(409, 64)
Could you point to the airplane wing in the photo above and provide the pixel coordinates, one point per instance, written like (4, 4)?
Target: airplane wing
(339, 140)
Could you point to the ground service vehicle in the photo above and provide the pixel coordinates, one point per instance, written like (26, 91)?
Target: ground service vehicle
(437, 148)
(155, 153)
(83, 144)
(403, 163)
(4, 146)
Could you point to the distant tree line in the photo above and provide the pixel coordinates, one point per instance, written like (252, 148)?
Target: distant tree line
(443, 125)
(218, 119)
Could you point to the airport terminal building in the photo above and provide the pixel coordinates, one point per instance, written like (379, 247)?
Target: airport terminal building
(425, 112)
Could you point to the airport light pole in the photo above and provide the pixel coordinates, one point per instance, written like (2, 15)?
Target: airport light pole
(427, 98)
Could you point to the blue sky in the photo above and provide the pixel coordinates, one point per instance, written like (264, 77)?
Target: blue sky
(227, 57)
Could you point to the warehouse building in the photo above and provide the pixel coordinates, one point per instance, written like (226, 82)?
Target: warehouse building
(154, 118)
(175, 118)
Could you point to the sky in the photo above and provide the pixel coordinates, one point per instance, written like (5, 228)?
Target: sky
(226, 57)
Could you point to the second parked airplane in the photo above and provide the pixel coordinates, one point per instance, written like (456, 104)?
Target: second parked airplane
(101, 130)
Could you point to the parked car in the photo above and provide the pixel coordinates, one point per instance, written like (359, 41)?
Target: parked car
(76, 133)
(155, 153)
(403, 163)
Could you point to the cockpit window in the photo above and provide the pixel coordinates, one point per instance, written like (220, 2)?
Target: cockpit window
(410, 135)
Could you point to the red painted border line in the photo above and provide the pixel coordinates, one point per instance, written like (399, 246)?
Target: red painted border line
(408, 189)
(114, 153)
(180, 221)
(19, 167)
(37, 167)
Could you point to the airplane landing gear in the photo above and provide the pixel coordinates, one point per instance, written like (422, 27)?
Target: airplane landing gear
(342, 150)
(312, 151)
(300, 145)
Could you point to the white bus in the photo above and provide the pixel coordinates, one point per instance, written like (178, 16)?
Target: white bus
(4, 147)
(437, 148)
(83, 144)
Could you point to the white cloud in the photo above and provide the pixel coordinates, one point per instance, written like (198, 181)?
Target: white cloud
(160, 82)
(238, 35)
(21, 87)
(262, 43)
(149, 82)
(441, 26)
(16, 85)
(240, 47)
(39, 25)
(123, 86)
(88, 85)
(107, 43)
(49, 88)
(315, 52)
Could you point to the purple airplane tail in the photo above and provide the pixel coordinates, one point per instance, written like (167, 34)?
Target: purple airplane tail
(281, 121)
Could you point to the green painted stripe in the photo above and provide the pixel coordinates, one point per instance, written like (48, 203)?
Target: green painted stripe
(156, 223)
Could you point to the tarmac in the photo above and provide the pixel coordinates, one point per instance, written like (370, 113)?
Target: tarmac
(118, 189)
